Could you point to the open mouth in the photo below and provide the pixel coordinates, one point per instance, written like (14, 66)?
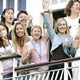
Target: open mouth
(10, 19)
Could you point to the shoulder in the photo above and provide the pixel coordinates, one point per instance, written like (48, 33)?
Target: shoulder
(66, 18)
(28, 44)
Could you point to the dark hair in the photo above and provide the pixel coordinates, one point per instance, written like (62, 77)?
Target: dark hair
(20, 12)
(1, 23)
(2, 15)
(1, 41)
(67, 10)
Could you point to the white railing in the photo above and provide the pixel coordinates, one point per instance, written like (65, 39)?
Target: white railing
(14, 57)
(30, 72)
(61, 74)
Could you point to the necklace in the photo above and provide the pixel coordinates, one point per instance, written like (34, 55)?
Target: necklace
(39, 53)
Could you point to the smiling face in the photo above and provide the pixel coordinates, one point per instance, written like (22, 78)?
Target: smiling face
(19, 30)
(36, 33)
(23, 18)
(75, 7)
(62, 27)
(9, 16)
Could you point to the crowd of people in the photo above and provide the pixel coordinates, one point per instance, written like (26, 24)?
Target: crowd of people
(23, 38)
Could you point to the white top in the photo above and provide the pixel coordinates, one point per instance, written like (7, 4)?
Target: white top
(73, 24)
(7, 64)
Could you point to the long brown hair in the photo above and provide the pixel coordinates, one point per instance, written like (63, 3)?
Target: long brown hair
(67, 10)
(1, 41)
(16, 40)
(2, 15)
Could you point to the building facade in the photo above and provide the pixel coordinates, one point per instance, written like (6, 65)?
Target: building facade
(33, 7)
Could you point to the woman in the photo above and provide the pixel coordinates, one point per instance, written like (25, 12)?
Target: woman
(19, 38)
(6, 49)
(62, 42)
(36, 45)
(26, 20)
(72, 11)
(7, 18)
(35, 51)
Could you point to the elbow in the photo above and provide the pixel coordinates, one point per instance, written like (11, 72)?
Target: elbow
(23, 61)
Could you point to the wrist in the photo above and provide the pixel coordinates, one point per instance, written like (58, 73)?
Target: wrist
(47, 11)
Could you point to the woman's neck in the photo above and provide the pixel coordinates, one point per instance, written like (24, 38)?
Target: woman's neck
(8, 25)
(36, 40)
(74, 15)
(21, 41)
(62, 34)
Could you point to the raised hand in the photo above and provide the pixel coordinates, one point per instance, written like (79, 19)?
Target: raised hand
(30, 18)
(45, 5)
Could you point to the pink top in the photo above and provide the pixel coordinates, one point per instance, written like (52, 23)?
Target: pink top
(7, 64)
(40, 47)
(19, 50)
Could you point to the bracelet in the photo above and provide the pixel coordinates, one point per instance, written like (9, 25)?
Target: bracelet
(76, 38)
(46, 11)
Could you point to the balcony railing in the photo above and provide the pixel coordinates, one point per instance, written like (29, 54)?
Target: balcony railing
(32, 72)
(14, 57)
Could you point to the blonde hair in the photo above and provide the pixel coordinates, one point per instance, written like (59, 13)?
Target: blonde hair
(15, 38)
(38, 27)
(57, 24)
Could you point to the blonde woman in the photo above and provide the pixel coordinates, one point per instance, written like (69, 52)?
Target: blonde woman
(62, 42)
(35, 51)
(19, 37)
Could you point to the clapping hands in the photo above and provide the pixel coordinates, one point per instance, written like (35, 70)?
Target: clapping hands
(32, 50)
(67, 43)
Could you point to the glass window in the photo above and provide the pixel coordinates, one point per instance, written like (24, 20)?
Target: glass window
(1, 6)
(10, 4)
(63, 1)
(21, 5)
(54, 1)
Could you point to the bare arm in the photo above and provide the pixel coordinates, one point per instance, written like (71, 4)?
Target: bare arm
(25, 55)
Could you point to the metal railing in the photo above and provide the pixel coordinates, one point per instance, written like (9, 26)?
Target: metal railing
(67, 73)
(35, 72)
(12, 56)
